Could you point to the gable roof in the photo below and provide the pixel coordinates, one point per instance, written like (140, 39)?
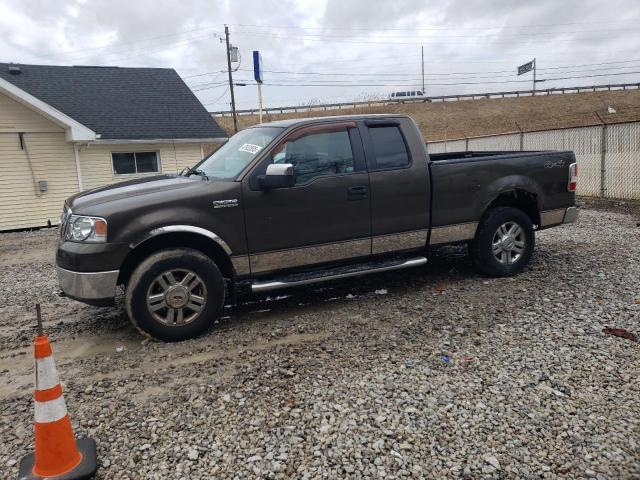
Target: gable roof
(119, 103)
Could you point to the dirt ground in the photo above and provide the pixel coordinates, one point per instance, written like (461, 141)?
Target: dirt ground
(435, 372)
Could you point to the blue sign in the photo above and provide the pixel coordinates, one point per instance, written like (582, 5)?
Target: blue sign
(257, 66)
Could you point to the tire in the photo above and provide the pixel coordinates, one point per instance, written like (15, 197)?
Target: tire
(504, 242)
(175, 294)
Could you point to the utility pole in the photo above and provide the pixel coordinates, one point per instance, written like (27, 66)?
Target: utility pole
(422, 48)
(260, 101)
(233, 100)
(534, 76)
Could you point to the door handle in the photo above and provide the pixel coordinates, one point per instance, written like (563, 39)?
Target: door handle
(358, 192)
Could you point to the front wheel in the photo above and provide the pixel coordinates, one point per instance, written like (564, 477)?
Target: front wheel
(504, 242)
(175, 294)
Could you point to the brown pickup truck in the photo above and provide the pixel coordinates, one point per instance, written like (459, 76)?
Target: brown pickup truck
(300, 201)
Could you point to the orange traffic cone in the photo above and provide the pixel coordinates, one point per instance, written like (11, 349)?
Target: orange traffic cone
(57, 454)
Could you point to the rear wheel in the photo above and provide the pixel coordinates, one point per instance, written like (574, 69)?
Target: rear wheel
(175, 294)
(504, 242)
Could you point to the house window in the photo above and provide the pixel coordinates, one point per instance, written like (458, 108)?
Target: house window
(135, 162)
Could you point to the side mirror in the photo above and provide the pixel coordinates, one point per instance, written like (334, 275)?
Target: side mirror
(278, 175)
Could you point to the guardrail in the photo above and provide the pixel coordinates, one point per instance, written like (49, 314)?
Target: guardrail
(442, 98)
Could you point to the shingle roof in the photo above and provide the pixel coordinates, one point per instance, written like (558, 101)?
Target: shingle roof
(120, 103)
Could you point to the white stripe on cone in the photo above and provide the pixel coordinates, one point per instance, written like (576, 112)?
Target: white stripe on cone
(46, 374)
(50, 411)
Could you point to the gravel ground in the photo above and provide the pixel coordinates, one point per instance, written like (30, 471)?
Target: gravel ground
(435, 372)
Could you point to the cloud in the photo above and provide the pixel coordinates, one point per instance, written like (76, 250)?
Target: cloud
(372, 46)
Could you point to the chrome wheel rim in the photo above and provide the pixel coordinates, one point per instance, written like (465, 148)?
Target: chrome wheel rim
(176, 297)
(509, 243)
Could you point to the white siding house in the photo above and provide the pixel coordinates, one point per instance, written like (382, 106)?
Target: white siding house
(47, 155)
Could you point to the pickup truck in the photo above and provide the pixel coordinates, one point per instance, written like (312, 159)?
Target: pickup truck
(299, 201)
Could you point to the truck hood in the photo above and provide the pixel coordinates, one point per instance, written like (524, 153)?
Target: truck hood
(131, 188)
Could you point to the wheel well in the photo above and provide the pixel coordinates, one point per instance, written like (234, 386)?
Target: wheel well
(521, 199)
(176, 240)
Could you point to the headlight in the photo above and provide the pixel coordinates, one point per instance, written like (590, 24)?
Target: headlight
(86, 229)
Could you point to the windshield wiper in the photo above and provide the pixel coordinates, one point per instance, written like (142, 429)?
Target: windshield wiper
(190, 171)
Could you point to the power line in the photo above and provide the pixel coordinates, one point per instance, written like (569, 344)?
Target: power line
(356, 29)
(355, 62)
(590, 64)
(218, 99)
(451, 27)
(332, 61)
(221, 84)
(144, 50)
(117, 44)
(384, 84)
(382, 41)
(203, 74)
(334, 83)
(535, 34)
(367, 29)
(475, 74)
(445, 74)
(368, 74)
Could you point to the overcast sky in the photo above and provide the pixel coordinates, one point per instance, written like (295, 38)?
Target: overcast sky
(335, 50)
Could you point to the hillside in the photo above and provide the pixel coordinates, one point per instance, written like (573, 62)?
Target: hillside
(440, 120)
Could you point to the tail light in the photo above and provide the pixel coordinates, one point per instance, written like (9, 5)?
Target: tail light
(573, 177)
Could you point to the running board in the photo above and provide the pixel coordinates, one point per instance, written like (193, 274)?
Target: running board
(335, 274)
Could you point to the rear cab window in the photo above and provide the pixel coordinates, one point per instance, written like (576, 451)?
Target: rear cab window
(389, 148)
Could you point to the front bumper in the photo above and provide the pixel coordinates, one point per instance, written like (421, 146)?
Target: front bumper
(91, 257)
(94, 288)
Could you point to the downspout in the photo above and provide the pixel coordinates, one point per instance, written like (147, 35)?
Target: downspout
(25, 149)
(78, 169)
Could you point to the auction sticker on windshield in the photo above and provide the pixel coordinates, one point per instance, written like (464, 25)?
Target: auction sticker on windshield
(250, 148)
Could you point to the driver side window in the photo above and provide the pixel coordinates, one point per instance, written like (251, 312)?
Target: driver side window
(317, 155)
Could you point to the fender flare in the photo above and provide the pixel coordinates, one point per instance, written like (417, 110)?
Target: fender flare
(510, 183)
(184, 229)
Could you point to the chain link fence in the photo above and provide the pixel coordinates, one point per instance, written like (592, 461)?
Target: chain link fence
(608, 155)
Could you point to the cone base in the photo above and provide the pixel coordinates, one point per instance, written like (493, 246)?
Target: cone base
(85, 470)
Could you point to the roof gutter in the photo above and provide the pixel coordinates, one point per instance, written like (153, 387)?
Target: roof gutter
(118, 141)
(75, 131)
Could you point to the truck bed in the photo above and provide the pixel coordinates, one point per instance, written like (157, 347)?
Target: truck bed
(464, 183)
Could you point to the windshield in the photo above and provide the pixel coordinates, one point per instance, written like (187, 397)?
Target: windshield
(230, 159)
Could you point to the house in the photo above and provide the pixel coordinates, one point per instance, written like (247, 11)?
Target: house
(68, 129)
